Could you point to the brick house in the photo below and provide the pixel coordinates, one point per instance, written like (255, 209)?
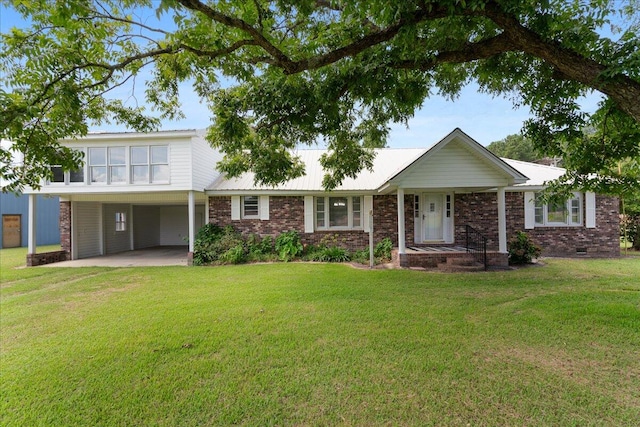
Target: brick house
(141, 190)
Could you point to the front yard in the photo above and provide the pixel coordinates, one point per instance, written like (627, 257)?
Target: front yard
(320, 344)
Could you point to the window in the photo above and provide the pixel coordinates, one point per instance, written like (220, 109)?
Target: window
(159, 164)
(250, 207)
(339, 212)
(98, 165)
(58, 174)
(150, 164)
(117, 167)
(121, 221)
(448, 206)
(416, 206)
(140, 165)
(559, 213)
(62, 177)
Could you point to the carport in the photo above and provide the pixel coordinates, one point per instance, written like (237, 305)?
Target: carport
(149, 257)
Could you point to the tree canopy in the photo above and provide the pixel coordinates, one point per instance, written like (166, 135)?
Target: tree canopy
(279, 74)
(517, 147)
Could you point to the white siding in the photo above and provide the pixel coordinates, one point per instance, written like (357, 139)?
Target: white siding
(452, 166)
(146, 226)
(86, 229)
(204, 163)
(116, 241)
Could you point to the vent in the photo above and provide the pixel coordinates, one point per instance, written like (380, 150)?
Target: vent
(581, 251)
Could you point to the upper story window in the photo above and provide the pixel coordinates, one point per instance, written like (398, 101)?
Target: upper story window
(250, 207)
(147, 164)
(150, 164)
(559, 213)
(338, 212)
(59, 176)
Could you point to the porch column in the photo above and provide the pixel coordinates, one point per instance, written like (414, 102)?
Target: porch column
(502, 221)
(192, 214)
(401, 243)
(31, 236)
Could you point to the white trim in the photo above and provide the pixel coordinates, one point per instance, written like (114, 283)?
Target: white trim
(590, 209)
(31, 233)
(192, 214)
(309, 210)
(401, 241)
(263, 206)
(502, 221)
(529, 210)
(367, 207)
(235, 208)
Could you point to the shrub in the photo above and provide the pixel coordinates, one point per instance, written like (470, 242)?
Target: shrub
(288, 245)
(361, 256)
(332, 254)
(522, 250)
(383, 249)
(212, 242)
(234, 255)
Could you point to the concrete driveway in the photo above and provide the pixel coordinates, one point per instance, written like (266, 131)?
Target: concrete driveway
(151, 257)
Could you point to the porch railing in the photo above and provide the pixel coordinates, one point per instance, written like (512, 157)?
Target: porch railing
(476, 244)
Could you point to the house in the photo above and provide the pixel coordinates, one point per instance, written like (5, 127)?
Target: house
(14, 210)
(142, 190)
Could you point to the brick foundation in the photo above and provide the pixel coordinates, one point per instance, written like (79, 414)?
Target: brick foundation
(43, 258)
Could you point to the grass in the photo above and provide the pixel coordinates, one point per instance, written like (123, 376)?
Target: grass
(320, 344)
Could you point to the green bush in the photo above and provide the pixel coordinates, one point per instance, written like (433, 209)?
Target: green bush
(522, 250)
(288, 245)
(383, 249)
(331, 254)
(212, 244)
(234, 255)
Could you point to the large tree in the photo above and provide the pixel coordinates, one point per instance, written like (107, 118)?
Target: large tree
(282, 73)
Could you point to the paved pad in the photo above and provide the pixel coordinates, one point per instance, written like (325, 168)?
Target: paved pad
(151, 257)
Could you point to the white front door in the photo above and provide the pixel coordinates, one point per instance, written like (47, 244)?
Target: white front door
(432, 217)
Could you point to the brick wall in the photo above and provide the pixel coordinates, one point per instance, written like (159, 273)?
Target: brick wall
(480, 210)
(602, 241)
(287, 213)
(43, 258)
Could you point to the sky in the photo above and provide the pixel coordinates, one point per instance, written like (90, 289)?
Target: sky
(481, 116)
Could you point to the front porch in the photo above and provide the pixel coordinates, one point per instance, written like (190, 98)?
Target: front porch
(447, 258)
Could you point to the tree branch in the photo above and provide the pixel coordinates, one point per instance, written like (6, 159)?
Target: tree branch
(620, 88)
(471, 52)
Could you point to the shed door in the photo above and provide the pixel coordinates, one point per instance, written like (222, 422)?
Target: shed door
(11, 231)
(432, 217)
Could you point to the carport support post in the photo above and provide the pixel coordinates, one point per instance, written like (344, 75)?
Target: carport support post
(502, 221)
(31, 236)
(192, 225)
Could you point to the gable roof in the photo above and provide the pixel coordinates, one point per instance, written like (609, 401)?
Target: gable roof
(393, 165)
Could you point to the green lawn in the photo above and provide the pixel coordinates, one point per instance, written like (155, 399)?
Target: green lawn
(320, 344)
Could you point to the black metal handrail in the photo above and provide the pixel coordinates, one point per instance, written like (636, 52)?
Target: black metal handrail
(476, 244)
